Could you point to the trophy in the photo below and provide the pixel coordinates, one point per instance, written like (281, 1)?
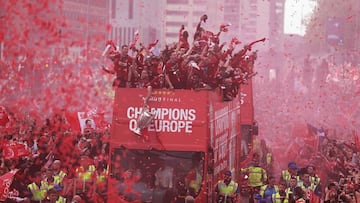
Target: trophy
(144, 120)
(146, 116)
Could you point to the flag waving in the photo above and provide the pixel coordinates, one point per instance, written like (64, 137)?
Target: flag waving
(5, 182)
(15, 150)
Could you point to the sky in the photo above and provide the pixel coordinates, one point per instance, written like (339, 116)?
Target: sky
(296, 12)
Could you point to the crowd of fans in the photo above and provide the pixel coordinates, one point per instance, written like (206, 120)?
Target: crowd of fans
(50, 162)
(342, 169)
(328, 173)
(74, 166)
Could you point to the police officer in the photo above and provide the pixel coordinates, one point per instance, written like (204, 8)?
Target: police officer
(227, 190)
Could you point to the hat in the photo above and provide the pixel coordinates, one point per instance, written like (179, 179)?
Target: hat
(57, 188)
(292, 165)
(228, 173)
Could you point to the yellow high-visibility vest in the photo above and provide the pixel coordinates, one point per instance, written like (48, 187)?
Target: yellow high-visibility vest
(61, 200)
(285, 175)
(196, 184)
(85, 175)
(264, 187)
(311, 187)
(38, 193)
(46, 185)
(227, 190)
(101, 177)
(315, 179)
(257, 175)
(276, 198)
(58, 179)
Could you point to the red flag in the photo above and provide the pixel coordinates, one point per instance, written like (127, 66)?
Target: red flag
(5, 182)
(73, 121)
(76, 120)
(15, 150)
(312, 137)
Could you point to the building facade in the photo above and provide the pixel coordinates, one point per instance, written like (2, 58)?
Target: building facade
(162, 19)
(82, 36)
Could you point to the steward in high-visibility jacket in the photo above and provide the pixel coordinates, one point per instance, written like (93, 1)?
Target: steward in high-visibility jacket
(314, 178)
(54, 197)
(310, 186)
(47, 184)
(100, 176)
(227, 190)
(281, 196)
(58, 178)
(37, 193)
(59, 175)
(193, 180)
(49, 181)
(291, 187)
(290, 172)
(305, 184)
(266, 191)
(84, 175)
(256, 175)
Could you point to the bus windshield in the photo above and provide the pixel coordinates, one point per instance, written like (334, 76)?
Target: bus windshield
(156, 176)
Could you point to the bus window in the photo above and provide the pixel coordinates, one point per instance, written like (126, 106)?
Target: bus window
(156, 176)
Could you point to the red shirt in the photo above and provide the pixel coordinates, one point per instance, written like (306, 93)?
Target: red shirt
(157, 82)
(176, 73)
(121, 65)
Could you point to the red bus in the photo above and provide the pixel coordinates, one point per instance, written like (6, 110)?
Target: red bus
(194, 136)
